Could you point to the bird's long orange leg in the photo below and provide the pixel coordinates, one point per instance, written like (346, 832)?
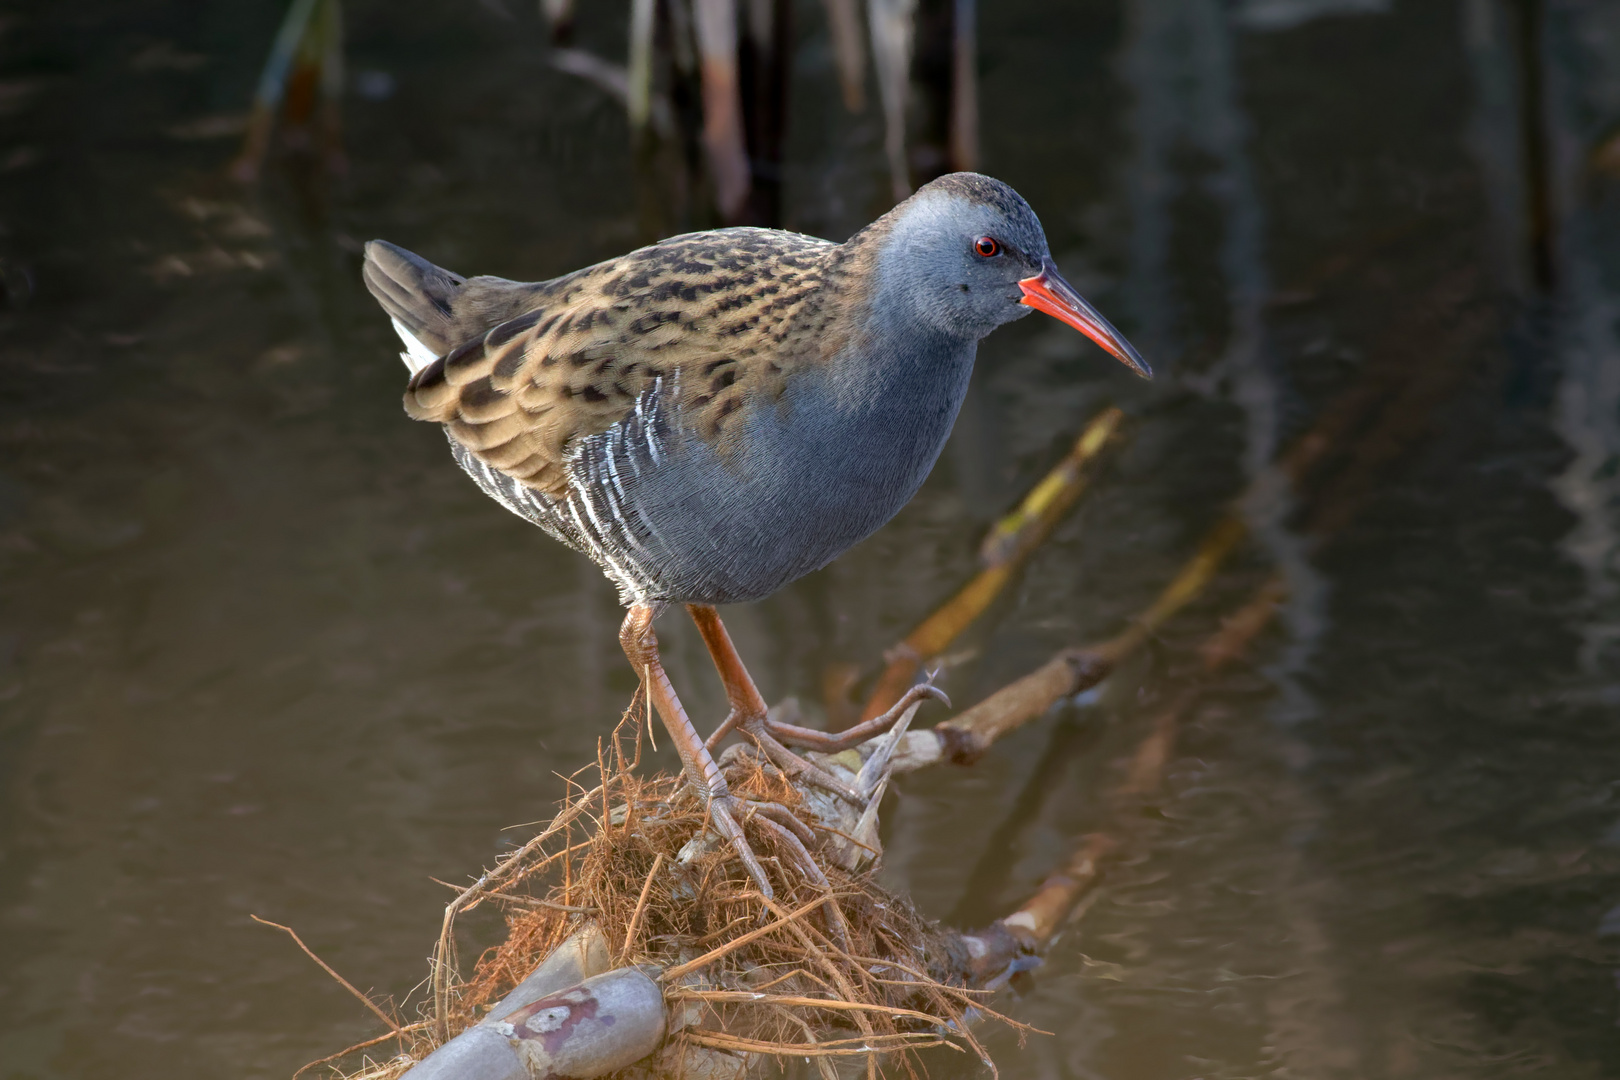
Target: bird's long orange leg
(748, 714)
(641, 647)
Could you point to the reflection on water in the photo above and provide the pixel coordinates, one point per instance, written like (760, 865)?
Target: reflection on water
(1586, 94)
(263, 649)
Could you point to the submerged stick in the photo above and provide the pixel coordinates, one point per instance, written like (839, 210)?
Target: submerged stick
(1010, 543)
(1033, 924)
(964, 738)
(1409, 391)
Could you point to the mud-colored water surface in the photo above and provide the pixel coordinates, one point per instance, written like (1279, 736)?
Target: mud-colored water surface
(264, 649)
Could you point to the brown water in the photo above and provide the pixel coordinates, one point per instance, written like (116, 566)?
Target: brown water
(263, 649)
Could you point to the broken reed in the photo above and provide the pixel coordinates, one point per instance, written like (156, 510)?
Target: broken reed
(709, 76)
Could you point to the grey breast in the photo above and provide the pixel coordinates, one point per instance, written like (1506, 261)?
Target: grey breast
(671, 518)
(668, 517)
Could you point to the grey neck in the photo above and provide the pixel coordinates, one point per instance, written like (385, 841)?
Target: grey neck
(896, 392)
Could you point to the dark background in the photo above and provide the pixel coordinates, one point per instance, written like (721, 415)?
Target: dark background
(264, 649)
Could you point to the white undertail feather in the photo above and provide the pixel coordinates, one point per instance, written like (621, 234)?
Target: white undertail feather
(416, 355)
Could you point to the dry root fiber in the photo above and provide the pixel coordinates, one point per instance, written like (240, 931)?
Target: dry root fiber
(820, 972)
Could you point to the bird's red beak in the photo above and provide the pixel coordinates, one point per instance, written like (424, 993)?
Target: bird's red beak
(1048, 292)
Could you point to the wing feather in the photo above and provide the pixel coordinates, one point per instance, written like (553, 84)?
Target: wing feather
(520, 393)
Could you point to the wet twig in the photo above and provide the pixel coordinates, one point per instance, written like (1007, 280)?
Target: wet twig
(393, 1024)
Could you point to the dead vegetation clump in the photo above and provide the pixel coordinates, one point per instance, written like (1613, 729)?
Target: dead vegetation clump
(820, 971)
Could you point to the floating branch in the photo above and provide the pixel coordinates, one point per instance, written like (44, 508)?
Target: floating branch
(965, 737)
(1031, 926)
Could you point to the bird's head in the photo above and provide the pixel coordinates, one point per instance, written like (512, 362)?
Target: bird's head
(968, 254)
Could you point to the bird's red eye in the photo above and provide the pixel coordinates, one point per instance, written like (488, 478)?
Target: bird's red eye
(986, 246)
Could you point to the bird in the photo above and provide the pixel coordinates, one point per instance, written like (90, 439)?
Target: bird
(718, 414)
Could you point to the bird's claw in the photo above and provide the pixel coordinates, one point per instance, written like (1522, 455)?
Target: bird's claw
(799, 767)
(724, 813)
(792, 837)
(766, 817)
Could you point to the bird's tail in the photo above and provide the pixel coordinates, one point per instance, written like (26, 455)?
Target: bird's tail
(432, 309)
(418, 296)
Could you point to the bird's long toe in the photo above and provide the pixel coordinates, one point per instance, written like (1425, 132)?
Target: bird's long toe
(805, 863)
(790, 837)
(784, 817)
(801, 768)
(726, 813)
(832, 743)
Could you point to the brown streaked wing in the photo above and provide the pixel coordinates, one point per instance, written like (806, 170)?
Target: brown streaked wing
(726, 315)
